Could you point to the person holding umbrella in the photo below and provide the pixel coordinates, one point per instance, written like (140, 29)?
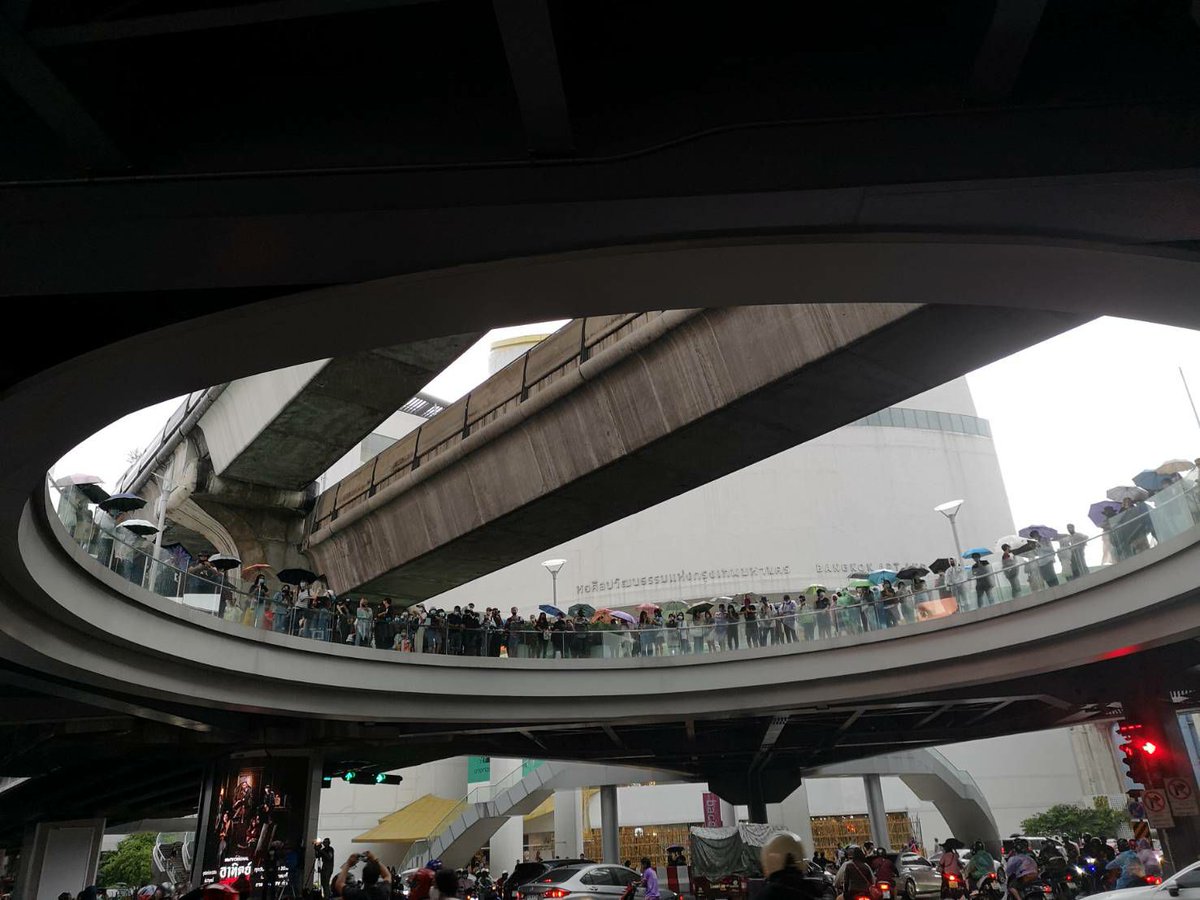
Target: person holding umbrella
(1011, 569)
(982, 572)
(1045, 557)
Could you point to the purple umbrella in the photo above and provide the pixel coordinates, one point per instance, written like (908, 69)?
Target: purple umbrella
(623, 616)
(1096, 510)
(1044, 531)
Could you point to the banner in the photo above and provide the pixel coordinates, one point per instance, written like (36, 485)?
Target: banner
(257, 822)
(712, 810)
(479, 769)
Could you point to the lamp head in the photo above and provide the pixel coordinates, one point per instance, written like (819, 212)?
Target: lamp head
(950, 509)
(553, 565)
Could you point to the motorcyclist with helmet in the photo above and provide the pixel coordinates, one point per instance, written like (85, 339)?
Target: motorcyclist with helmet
(1020, 870)
(979, 866)
(422, 881)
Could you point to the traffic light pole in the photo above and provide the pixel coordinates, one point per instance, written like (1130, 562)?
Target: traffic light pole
(1159, 758)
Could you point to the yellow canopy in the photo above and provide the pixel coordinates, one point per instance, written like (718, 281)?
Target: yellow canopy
(411, 823)
(546, 806)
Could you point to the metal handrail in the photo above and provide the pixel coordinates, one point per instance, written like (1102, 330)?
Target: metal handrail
(472, 418)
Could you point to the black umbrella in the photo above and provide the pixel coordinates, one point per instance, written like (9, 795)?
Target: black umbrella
(122, 502)
(858, 575)
(912, 572)
(939, 565)
(88, 485)
(223, 563)
(295, 576)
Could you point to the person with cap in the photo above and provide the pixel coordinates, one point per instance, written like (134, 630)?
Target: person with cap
(325, 857)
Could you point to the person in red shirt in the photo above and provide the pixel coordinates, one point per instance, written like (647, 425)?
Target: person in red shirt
(422, 881)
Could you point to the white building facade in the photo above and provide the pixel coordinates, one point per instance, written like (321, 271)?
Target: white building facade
(858, 498)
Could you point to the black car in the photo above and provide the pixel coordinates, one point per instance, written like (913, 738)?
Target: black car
(529, 871)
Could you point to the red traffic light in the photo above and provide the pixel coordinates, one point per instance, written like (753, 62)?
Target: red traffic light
(1149, 748)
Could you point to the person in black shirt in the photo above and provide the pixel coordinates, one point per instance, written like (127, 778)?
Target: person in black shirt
(454, 632)
(325, 858)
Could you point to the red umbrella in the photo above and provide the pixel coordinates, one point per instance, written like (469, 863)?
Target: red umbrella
(648, 607)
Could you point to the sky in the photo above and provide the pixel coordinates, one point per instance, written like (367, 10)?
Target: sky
(1071, 417)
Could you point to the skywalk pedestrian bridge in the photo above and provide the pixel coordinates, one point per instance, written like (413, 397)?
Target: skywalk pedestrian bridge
(96, 617)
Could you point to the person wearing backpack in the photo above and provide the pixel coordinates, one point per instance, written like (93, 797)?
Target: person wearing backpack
(854, 878)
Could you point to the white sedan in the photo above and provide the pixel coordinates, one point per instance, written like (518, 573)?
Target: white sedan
(1183, 885)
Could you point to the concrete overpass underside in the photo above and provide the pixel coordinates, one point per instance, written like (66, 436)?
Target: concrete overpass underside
(93, 753)
(691, 397)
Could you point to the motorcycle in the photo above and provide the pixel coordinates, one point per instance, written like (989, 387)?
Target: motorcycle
(885, 889)
(989, 888)
(1061, 878)
(952, 887)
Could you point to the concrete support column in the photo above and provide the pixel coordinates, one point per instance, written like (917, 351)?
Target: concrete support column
(876, 810)
(58, 857)
(757, 806)
(568, 824)
(610, 822)
(728, 813)
(507, 846)
(796, 817)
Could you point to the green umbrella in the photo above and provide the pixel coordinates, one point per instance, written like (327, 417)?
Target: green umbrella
(674, 606)
(582, 609)
(812, 589)
(702, 606)
(858, 583)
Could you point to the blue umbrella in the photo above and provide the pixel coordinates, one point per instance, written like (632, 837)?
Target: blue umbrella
(881, 575)
(551, 610)
(1149, 480)
(982, 551)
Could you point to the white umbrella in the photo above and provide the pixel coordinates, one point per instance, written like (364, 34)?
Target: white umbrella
(139, 526)
(88, 485)
(1124, 492)
(1175, 467)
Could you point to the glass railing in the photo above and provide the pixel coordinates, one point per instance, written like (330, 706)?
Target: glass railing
(1167, 514)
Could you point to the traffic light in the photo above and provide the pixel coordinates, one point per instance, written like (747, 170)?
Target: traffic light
(353, 776)
(1140, 753)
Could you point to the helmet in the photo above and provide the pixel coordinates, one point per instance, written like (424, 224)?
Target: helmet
(433, 865)
(977, 846)
(1122, 845)
(1020, 845)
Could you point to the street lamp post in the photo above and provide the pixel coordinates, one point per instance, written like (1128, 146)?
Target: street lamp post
(552, 566)
(950, 511)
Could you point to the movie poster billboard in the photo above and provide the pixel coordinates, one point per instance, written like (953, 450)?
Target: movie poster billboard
(256, 824)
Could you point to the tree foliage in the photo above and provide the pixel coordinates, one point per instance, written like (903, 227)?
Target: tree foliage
(1071, 821)
(129, 863)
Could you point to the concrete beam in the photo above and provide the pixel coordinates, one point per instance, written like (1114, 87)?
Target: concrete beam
(783, 374)
(283, 428)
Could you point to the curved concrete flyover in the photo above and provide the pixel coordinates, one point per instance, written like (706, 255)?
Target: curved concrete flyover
(80, 621)
(60, 619)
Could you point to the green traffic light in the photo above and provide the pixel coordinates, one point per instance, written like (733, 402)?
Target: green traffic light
(380, 778)
(350, 776)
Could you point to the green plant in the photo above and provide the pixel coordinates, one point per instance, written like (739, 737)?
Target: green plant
(129, 863)
(1071, 821)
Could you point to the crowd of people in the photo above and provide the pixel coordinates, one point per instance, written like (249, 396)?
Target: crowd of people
(1041, 557)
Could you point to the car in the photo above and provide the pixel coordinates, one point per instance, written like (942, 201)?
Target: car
(526, 872)
(915, 875)
(1183, 885)
(586, 881)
